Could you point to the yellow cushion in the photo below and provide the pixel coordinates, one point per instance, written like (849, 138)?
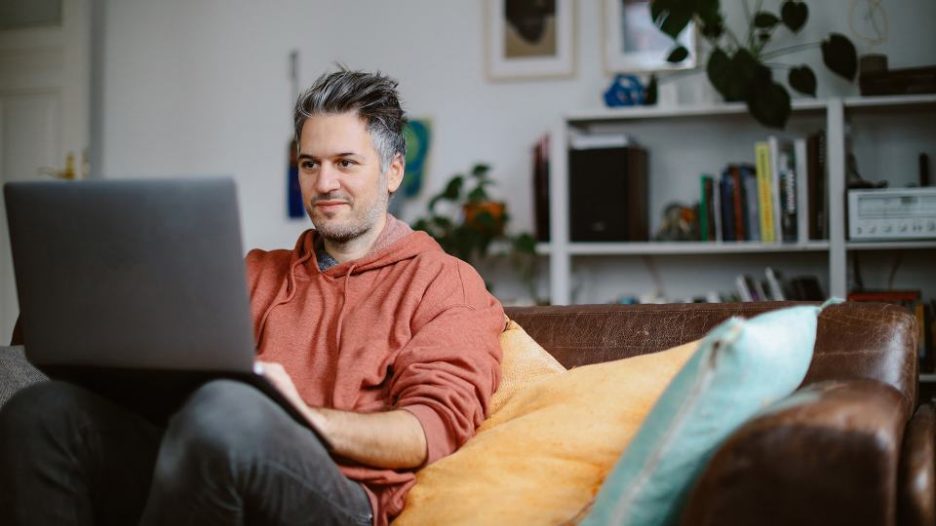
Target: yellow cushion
(524, 363)
(542, 454)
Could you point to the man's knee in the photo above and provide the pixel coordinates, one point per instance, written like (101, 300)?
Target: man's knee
(221, 417)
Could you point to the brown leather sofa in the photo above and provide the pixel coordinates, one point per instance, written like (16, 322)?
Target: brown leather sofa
(844, 449)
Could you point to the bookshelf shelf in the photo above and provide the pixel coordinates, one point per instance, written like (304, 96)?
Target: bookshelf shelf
(690, 247)
(927, 378)
(886, 134)
(909, 101)
(891, 245)
(688, 111)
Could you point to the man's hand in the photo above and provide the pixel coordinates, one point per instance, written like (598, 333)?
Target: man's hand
(392, 439)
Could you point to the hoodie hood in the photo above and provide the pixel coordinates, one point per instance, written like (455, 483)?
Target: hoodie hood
(397, 242)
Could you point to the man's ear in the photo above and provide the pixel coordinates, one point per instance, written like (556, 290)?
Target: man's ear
(395, 173)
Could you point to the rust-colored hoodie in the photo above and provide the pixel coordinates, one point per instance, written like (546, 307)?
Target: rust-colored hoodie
(405, 327)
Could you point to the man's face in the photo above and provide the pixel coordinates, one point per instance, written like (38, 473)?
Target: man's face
(344, 191)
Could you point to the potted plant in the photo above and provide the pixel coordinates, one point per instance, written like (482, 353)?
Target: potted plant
(738, 66)
(465, 221)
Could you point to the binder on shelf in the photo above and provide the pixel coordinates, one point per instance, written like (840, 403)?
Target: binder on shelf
(541, 188)
(608, 194)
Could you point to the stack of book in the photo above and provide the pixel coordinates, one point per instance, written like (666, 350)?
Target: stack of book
(781, 198)
(774, 287)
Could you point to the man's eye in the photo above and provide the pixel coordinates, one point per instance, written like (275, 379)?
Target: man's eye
(307, 164)
(345, 163)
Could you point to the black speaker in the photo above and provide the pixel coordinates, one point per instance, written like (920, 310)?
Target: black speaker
(608, 194)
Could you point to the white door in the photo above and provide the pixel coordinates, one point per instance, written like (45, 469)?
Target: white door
(44, 100)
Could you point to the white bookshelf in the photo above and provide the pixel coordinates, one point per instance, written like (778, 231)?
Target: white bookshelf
(728, 133)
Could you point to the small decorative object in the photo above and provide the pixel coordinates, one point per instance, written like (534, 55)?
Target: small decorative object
(741, 66)
(418, 134)
(632, 43)
(625, 90)
(680, 223)
(471, 221)
(529, 38)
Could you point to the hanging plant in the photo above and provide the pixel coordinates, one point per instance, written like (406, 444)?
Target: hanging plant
(737, 68)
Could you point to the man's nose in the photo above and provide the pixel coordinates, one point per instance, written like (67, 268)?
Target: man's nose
(327, 180)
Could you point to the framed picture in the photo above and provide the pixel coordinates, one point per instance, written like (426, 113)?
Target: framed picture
(632, 42)
(529, 38)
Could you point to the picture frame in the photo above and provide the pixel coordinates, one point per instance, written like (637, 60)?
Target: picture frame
(633, 43)
(529, 39)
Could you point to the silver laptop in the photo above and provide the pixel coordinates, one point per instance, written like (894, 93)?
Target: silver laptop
(134, 288)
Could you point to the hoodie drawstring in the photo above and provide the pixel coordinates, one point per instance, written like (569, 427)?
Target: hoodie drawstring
(344, 302)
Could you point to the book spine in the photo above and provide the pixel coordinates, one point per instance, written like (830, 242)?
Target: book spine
(737, 198)
(787, 197)
(764, 191)
(802, 197)
(750, 197)
(705, 186)
(727, 208)
(774, 145)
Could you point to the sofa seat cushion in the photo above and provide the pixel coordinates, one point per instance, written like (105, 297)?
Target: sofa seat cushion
(548, 444)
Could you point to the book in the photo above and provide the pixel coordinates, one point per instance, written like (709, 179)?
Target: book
(787, 201)
(775, 147)
(749, 181)
(774, 284)
(802, 195)
(816, 180)
(764, 191)
(726, 185)
(706, 210)
(737, 203)
(744, 291)
(806, 288)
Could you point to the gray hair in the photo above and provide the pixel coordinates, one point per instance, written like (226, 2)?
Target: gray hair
(372, 95)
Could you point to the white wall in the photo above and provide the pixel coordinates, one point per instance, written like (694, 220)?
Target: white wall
(202, 86)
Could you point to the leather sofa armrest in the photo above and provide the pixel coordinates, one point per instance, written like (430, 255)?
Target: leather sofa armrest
(917, 498)
(828, 455)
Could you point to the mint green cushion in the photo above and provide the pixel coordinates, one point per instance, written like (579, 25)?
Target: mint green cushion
(740, 367)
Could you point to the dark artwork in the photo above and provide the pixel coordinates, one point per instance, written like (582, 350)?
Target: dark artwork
(530, 28)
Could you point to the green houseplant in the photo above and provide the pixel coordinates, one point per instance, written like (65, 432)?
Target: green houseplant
(465, 221)
(739, 68)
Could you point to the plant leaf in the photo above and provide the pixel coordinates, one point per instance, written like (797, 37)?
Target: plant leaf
(765, 20)
(677, 55)
(718, 70)
(794, 15)
(745, 74)
(477, 195)
(671, 16)
(803, 80)
(480, 170)
(839, 55)
(453, 189)
(770, 105)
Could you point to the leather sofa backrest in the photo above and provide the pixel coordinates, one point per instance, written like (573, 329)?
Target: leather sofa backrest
(855, 340)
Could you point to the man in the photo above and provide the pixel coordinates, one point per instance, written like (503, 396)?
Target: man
(385, 343)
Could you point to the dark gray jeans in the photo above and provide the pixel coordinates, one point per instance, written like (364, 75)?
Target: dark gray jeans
(228, 456)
